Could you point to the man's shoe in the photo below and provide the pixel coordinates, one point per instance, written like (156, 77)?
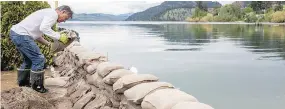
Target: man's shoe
(24, 77)
(37, 81)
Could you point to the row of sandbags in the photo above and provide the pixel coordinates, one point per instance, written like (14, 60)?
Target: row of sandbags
(100, 84)
(70, 74)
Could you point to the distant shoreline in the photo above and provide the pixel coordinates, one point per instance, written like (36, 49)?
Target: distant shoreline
(168, 22)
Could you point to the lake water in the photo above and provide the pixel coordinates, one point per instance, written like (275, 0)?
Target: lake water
(228, 66)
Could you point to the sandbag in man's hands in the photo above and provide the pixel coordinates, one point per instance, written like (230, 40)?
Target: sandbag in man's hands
(63, 38)
(67, 35)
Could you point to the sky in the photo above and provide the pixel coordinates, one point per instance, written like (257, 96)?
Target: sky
(111, 7)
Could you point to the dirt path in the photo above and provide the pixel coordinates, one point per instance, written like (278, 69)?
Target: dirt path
(8, 80)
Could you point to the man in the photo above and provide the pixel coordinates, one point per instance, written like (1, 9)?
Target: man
(23, 34)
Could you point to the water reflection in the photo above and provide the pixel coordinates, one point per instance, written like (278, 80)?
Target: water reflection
(264, 39)
(257, 39)
(185, 49)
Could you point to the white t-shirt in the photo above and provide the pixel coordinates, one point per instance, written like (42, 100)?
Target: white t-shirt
(37, 24)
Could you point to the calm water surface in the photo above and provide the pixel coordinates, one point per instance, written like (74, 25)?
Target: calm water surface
(228, 66)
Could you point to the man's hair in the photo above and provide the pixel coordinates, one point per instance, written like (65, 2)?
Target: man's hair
(65, 8)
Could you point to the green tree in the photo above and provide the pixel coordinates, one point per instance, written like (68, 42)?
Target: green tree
(178, 14)
(202, 6)
(250, 17)
(199, 13)
(260, 6)
(216, 11)
(256, 5)
(248, 10)
(278, 17)
(229, 13)
(12, 13)
(279, 7)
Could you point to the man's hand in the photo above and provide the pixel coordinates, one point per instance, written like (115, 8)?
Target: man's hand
(63, 38)
(42, 40)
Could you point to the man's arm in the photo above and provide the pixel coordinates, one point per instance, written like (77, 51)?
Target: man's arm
(46, 25)
(42, 40)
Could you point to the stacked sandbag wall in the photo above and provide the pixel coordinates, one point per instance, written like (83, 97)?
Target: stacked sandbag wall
(92, 82)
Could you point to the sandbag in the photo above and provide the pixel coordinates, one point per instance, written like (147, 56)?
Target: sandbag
(115, 75)
(74, 43)
(129, 81)
(108, 92)
(75, 86)
(94, 79)
(91, 69)
(191, 105)
(89, 57)
(77, 49)
(59, 46)
(84, 100)
(77, 91)
(99, 101)
(125, 104)
(105, 68)
(56, 92)
(107, 107)
(138, 92)
(69, 72)
(59, 59)
(166, 99)
(57, 82)
(62, 103)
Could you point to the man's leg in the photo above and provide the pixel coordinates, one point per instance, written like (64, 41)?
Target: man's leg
(37, 74)
(29, 48)
(37, 69)
(24, 71)
(23, 76)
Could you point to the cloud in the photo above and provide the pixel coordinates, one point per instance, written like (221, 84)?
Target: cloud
(109, 7)
(112, 7)
(226, 2)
